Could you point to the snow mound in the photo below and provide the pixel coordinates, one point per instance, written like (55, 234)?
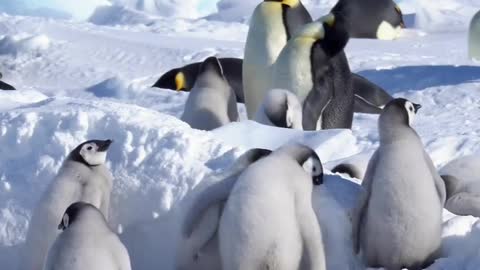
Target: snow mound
(113, 87)
(12, 99)
(118, 15)
(327, 143)
(23, 43)
(445, 15)
(191, 9)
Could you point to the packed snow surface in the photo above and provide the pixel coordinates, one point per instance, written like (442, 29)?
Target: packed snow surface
(91, 80)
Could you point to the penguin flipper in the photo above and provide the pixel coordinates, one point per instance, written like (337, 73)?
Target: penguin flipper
(359, 211)
(6, 86)
(439, 183)
(369, 97)
(464, 204)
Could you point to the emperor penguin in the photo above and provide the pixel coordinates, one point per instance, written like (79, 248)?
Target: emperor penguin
(314, 66)
(4, 85)
(86, 242)
(198, 244)
(272, 24)
(82, 177)
(474, 37)
(462, 183)
(268, 221)
(398, 220)
(183, 78)
(211, 103)
(280, 108)
(374, 19)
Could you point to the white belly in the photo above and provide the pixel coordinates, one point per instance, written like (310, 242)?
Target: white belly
(474, 39)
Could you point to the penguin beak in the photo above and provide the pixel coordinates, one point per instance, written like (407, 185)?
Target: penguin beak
(180, 81)
(104, 145)
(417, 107)
(318, 180)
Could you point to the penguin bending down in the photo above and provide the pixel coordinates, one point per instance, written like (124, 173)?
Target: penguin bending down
(211, 103)
(280, 108)
(474, 37)
(314, 67)
(86, 242)
(376, 19)
(183, 79)
(5, 86)
(398, 221)
(82, 177)
(462, 182)
(369, 97)
(198, 246)
(278, 200)
(271, 26)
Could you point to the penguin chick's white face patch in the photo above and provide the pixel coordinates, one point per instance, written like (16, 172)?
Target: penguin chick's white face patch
(386, 31)
(313, 167)
(65, 222)
(91, 155)
(410, 111)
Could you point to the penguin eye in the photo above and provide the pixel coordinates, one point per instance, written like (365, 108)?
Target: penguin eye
(89, 148)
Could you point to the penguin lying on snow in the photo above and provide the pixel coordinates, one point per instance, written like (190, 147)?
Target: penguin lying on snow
(398, 221)
(5, 86)
(271, 26)
(462, 182)
(369, 97)
(377, 19)
(183, 78)
(86, 242)
(245, 240)
(474, 37)
(211, 103)
(82, 177)
(314, 66)
(198, 249)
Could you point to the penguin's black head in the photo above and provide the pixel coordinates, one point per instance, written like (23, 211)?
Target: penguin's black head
(1, 75)
(401, 111)
(72, 213)
(179, 79)
(336, 34)
(91, 153)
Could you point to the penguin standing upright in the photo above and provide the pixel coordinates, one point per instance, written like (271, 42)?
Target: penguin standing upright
(474, 37)
(86, 242)
(271, 26)
(82, 177)
(376, 19)
(211, 103)
(398, 220)
(314, 66)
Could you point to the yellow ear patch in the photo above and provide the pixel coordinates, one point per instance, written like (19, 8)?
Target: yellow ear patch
(180, 81)
(291, 3)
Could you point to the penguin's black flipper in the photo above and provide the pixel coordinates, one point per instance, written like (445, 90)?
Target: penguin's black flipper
(369, 97)
(6, 86)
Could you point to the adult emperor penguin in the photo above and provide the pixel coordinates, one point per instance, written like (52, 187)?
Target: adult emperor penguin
(272, 24)
(377, 19)
(474, 37)
(211, 103)
(86, 242)
(82, 177)
(5, 86)
(268, 221)
(399, 217)
(183, 78)
(280, 108)
(314, 66)
(462, 182)
(198, 245)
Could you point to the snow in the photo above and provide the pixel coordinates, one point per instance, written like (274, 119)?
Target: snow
(89, 79)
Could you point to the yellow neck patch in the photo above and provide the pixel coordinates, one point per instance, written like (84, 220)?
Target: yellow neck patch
(180, 81)
(291, 3)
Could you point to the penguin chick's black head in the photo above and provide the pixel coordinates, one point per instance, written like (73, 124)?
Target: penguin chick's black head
(72, 213)
(400, 110)
(91, 153)
(336, 34)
